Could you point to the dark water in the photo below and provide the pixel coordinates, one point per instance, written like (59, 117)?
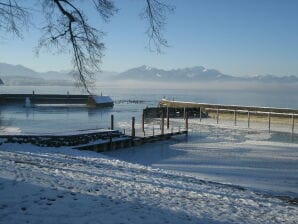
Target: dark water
(48, 118)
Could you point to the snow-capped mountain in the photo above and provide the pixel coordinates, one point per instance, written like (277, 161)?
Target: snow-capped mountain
(21, 75)
(198, 73)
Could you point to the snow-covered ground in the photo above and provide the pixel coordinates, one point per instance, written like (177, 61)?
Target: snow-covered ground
(251, 158)
(169, 185)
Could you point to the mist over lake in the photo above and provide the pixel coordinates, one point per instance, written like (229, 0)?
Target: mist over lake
(49, 118)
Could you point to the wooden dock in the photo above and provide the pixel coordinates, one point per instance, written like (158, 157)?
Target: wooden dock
(285, 115)
(52, 99)
(205, 106)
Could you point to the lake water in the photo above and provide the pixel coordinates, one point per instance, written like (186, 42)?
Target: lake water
(50, 119)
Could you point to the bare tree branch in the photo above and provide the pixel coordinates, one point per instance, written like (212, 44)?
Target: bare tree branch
(13, 17)
(155, 13)
(67, 29)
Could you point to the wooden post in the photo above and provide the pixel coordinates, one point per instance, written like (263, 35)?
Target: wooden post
(235, 117)
(168, 118)
(184, 113)
(248, 119)
(153, 131)
(269, 122)
(186, 121)
(112, 122)
(162, 125)
(200, 114)
(293, 124)
(217, 115)
(143, 122)
(133, 130)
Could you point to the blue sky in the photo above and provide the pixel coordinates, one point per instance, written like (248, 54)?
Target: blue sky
(237, 37)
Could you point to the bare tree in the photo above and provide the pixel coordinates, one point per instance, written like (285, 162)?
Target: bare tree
(67, 29)
(13, 17)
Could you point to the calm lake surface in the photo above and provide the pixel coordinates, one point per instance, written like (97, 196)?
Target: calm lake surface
(59, 118)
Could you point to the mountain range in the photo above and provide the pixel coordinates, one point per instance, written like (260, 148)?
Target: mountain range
(21, 75)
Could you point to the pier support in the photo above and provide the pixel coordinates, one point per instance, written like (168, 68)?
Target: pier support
(200, 114)
(186, 121)
(143, 122)
(293, 124)
(168, 118)
(248, 119)
(133, 130)
(162, 124)
(269, 122)
(112, 122)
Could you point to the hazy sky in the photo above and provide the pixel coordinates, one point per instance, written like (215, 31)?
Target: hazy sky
(237, 37)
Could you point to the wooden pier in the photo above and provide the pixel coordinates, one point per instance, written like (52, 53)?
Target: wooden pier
(97, 140)
(89, 100)
(267, 114)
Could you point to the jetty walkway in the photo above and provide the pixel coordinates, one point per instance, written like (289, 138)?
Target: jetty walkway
(90, 100)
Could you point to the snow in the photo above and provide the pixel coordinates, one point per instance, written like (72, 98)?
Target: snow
(16, 131)
(199, 179)
(102, 99)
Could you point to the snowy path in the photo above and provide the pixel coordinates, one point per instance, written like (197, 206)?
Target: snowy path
(60, 185)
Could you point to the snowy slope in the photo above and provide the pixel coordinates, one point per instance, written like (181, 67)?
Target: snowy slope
(61, 185)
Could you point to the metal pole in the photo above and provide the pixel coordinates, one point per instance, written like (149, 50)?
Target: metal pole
(133, 130)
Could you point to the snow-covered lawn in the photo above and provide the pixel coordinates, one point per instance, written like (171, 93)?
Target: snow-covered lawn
(217, 174)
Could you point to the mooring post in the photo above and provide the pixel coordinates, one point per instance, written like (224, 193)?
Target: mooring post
(168, 118)
(186, 121)
(162, 125)
(269, 121)
(112, 122)
(235, 117)
(293, 124)
(133, 130)
(217, 115)
(143, 122)
(248, 119)
(200, 114)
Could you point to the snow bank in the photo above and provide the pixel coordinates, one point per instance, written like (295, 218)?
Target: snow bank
(49, 185)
